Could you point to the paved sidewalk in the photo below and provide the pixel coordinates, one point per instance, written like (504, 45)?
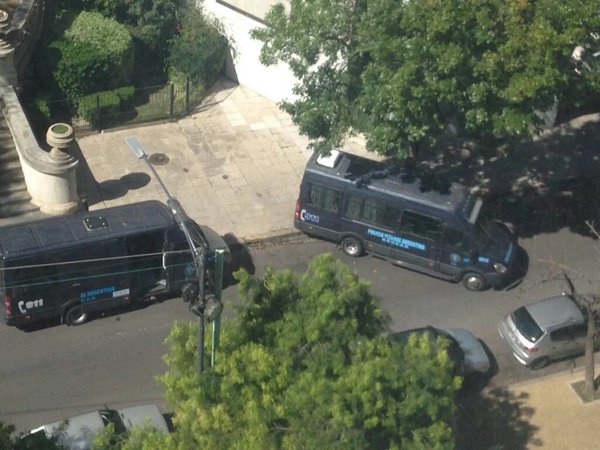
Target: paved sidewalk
(235, 165)
(554, 410)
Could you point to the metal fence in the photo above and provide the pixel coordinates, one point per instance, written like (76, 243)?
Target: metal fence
(153, 103)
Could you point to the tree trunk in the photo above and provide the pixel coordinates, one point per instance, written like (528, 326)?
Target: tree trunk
(589, 353)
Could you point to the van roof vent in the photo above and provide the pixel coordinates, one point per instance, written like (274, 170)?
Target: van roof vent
(331, 160)
(95, 222)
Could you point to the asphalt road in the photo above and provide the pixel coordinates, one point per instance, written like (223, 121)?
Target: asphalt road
(59, 371)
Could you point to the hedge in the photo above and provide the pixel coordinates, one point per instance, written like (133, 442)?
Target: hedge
(95, 106)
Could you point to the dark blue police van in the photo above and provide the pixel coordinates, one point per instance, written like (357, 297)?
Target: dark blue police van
(69, 267)
(426, 225)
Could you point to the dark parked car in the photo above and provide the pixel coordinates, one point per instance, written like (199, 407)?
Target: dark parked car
(468, 353)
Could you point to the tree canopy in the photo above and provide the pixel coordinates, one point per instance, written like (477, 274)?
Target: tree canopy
(414, 74)
(306, 364)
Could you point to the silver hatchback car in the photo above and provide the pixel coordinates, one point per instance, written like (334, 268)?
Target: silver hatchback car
(549, 329)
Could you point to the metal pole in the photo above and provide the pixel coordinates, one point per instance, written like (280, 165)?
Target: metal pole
(200, 343)
(198, 253)
(216, 325)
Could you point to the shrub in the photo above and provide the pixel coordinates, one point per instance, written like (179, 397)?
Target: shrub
(96, 54)
(43, 107)
(200, 49)
(95, 106)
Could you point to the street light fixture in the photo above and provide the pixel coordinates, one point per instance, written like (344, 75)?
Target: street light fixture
(196, 297)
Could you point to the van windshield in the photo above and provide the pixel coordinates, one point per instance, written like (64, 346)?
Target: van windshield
(526, 325)
(488, 232)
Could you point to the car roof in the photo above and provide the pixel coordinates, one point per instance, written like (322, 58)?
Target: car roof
(553, 311)
(402, 336)
(78, 432)
(144, 415)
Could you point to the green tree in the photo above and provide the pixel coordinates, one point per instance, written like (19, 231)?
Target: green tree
(94, 55)
(306, 365)
(411, 74)
(153, 23)
(199, 50)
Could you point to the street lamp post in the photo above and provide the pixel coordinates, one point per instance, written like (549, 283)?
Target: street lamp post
(198, 302)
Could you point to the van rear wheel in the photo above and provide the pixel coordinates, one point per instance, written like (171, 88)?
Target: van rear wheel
(474, 281)
(352, 246)
(75, 316)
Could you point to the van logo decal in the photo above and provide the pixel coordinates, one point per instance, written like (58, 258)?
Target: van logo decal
(397, 241)
(31, 304)
(91, 295)
(120, 293)
(308, 217)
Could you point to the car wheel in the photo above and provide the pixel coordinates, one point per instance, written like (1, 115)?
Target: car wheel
(352, 246)
(539, 363)
(75, 316)
(474, 281)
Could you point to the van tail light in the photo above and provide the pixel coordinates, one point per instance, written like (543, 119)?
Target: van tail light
(532, 349)
(298, 208)
(7, 309)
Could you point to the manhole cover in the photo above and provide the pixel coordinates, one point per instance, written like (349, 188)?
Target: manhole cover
(158, 159)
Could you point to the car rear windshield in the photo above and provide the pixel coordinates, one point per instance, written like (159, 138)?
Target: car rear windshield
(526, 325)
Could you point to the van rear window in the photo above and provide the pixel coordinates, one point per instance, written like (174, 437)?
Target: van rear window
(324, 198)
(526, 325)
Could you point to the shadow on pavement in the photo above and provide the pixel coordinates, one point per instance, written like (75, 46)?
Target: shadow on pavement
(240, 259)
(496, 419)
(113, 189)
(92, 192)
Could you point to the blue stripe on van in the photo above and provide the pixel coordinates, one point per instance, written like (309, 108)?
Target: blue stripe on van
(509, 253)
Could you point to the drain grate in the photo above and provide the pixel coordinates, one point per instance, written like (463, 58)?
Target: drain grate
(158, 159)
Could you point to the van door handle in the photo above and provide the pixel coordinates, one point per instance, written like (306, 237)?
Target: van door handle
(164, 261)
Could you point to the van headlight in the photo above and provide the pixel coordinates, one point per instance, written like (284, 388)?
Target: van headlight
(500, 268)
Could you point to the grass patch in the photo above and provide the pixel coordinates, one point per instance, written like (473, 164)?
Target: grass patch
(579, 388)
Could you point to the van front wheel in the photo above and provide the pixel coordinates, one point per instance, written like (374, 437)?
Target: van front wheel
(352, 246)
(474, 281)
(75, 316)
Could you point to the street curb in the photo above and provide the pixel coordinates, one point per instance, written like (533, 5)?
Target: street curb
(284, 236)
(519, 384)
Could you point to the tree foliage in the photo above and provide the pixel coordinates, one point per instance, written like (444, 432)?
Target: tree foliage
(408, 74)
(199, 49)
(95, 54)
(305, 365)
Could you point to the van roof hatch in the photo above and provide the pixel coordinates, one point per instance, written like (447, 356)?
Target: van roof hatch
(330, 160)
(95, 222)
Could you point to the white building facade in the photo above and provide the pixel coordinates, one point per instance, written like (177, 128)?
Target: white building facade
(238, 18)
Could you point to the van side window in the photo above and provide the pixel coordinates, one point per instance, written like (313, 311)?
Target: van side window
(456, 240)
(324, 198)
(422, 226)
(34, 273)
(370, 211)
